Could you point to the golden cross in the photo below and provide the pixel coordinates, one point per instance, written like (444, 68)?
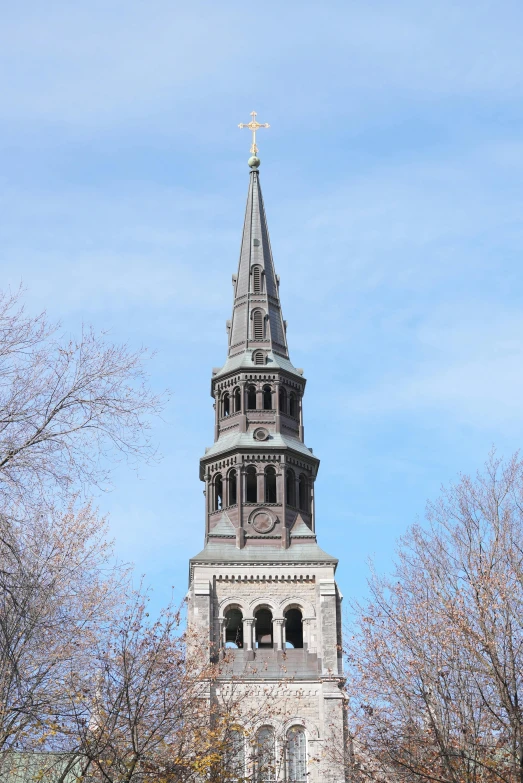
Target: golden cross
(253, 126)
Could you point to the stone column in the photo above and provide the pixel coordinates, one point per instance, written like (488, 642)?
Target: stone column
(243, 417)
(278, 627)
(277, 419)
(300, 411)
(259, 398)
(223, 626)
(216, 406)
(260, 476)
(248, 626)
(207, 493)
(313, 507)
(306, 625)
(240, 492)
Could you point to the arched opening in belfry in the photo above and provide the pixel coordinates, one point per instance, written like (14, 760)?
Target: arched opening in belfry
(237, 400)
(251, 485)
(290, 487)
(233, 627)
(302, 493)
(294, 628)
(270, 485)
(251, 398)
(293, 405)
(218, 493)
(263, 620)
(233, 488)
(267, 398)
(283, 400)
(226, 404)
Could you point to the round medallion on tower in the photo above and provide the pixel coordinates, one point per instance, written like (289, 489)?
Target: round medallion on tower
(262, 520)
(260, 433)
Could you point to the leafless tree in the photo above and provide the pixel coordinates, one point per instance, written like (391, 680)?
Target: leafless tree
(59, 587)
(65, 405)
(68, 409)
(436, 655)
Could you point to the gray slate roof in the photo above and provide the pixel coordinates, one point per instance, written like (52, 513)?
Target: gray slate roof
(256, 251)
(243, 361)
(300, 552)
(239, 440)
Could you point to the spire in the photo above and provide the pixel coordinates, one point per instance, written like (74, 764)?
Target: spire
(257, 321)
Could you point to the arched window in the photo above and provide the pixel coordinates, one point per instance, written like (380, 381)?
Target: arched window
(290, 487)
(293, 405)
(234, 628)
(235, 756)
(265, 758)
(296, 755)
(270, 485)
(283, 400)
(259, 357)
(267, 398)
(302, 484)
(294, 628)
(237, 400)
(251, 398)
(263, 618)
(233, 488)
(218, 493)
(257, 279)
(251, 489)
(257, 325)
(226, 404)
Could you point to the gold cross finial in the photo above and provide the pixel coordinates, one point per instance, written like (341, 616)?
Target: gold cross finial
(253, 126)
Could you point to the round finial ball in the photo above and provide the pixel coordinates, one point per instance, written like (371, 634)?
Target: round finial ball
(254, 162)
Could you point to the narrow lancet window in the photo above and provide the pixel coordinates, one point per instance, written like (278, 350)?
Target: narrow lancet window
(267, 398)
(270, 485)
(237, 401)
(251, 489)
(233, 488)
(235, 756)
(290, 487)
(257, 319)
(293, 407)
(226, 404)
(251, 398)
(283, 400)
(296, 755)
(265, 756)
(218, 493)
(256, 279)
(303, 499)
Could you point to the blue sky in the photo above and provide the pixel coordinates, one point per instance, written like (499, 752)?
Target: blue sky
(393, 180)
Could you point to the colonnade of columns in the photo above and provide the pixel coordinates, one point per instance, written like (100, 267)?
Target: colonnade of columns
(278, 632)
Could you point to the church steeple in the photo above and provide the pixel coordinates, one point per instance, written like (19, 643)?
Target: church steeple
(257, 324)
(262, 594)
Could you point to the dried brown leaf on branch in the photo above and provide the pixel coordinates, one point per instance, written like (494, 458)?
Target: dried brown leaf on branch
(435, 680)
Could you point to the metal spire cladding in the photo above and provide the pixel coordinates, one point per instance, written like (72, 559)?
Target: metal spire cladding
(257, 322)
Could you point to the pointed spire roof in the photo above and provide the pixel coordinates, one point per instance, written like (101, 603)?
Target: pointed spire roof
(256, 286)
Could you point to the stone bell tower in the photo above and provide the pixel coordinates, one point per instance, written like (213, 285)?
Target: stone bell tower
(262, 589)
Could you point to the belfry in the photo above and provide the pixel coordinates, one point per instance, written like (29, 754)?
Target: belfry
(262, 592)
